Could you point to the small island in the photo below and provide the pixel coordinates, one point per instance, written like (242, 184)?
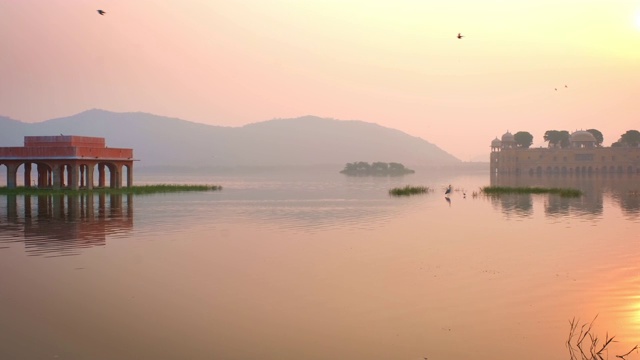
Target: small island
(362, 168)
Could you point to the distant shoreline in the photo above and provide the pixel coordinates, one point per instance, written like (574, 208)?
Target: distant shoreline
(150, 169)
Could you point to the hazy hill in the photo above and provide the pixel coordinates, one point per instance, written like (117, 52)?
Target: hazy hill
(309, 140)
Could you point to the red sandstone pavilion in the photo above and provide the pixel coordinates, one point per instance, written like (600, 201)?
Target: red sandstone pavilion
(67, 162)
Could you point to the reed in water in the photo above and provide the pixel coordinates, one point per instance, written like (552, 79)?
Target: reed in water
(564, 192)
(409, 190)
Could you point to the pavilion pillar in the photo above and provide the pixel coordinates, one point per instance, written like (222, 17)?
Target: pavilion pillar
(12, 175)
(101, 179)
(42, 176)
(82, 182)
(116, 178)
(119, 176)
(62, 172)
(90, 170)
(56, 173)
(74, 169)
(27, 175)
(130, 176)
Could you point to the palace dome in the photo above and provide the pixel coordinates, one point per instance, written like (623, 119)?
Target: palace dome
(508, 137)
(496, 142)
(582, 136)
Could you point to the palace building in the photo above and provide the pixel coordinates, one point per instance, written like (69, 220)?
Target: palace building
(582, 157)
(67, 162)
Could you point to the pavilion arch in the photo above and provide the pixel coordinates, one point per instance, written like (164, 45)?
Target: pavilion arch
(115, 173)
(107, 173)
(32, 174)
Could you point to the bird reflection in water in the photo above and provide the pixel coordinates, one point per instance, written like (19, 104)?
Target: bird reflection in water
(61, 225)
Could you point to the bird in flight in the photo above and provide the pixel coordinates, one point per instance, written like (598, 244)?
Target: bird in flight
(101, 12)
(460, 36)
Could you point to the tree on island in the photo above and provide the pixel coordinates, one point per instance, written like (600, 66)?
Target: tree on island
(630, 138)
(523, 139)
(557, 138)
(598, 135)
(362, 168)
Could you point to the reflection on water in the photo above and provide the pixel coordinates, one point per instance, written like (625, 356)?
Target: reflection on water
(60, 225)
(623, 189)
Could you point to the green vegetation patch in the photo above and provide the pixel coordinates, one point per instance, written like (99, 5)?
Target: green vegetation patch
(409, 190)
(376, 169)
(564, 192)
(136, 190)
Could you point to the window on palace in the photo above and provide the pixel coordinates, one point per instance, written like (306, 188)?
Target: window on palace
(584, 157)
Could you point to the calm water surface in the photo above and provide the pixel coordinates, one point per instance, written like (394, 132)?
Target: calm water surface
(316, 265)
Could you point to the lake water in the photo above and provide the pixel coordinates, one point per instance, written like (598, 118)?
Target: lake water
(316, 265)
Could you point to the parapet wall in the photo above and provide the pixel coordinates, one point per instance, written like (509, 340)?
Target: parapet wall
(64, 141)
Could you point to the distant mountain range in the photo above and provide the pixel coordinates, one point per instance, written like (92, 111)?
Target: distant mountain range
(309, 140)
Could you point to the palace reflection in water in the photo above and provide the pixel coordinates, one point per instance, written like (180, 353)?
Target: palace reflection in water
(624, 190)
(58, 225)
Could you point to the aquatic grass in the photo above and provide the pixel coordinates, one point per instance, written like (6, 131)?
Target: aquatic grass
(563, 192)
(594, 350)
(135, 190)
(409, 190)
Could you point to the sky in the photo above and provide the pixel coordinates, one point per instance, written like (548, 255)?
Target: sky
(529, 65)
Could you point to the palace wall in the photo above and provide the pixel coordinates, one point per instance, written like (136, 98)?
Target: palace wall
(595, 160)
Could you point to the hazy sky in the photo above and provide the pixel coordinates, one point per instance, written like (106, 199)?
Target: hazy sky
(397, 63)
